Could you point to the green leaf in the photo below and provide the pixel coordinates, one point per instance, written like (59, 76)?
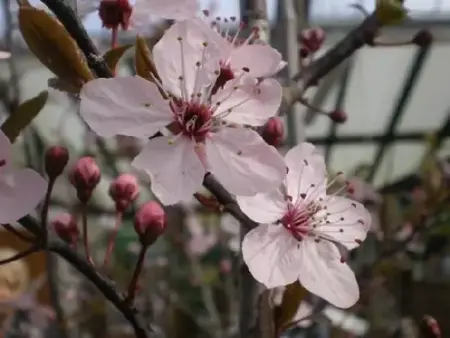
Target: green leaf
(23, 115)
(391, 12)
(113, 56)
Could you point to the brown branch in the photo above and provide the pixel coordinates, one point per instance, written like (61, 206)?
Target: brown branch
(19, 255)
(17, 233)
(140, 325)
(311, 74)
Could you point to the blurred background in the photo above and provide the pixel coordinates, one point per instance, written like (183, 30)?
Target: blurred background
(394, 146)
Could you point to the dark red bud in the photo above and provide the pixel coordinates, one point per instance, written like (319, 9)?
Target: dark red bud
(273, 131)
(115, 13)
(312, 39)
(304, 52)
(338, 116)
(150, 222)
(85, 176)
(124, 190)
(423, 38)
(56, 159)
(66, 228)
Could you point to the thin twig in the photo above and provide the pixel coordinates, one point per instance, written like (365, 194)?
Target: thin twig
(104, 285)
(19, 255)
(18, 234)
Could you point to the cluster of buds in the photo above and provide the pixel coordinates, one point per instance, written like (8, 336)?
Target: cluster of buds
(311, 40)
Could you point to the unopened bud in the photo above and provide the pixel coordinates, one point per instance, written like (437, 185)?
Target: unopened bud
(115, 13)
(150, 222)
(273, 131)
(423, 38)
(66, 228)
(56, 159)
(304, 52)
(312, 39)
(430, 328)
(225, 266)
(338, 116)
(85, 176)
(209, 202)
(124, 190)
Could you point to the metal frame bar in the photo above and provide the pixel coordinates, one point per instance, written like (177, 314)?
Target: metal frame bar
(399, 108)
(412, 136)
(340, 103)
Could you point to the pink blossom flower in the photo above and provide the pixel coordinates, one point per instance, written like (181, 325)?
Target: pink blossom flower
(140, 14)
(305, 233)
(236, 54)
(4, 55)
(231, 227)
(145, 10)
(200, 241)
(20, 190)
(363, 192)
(206, 133)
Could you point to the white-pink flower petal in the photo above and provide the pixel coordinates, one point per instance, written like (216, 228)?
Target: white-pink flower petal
(269, 252)
(307, 173)
(128, 105)
(347, 221)
(249, 103)
(243, 162)
(20, 192)
(4, 55)
(261, 60)
(263, 207)
(5, 148)
(322, 273)
(174, 168)
(185, 59)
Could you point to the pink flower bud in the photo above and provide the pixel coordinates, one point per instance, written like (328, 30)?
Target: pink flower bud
(429, 328)
(312, 39)
(114, 13)
(225, 266)
(124, 190)
(273, 131)
(66, 228)
(304, 52)
(423, 38)
(338, 116)
(150, 222)
(56, 159)
(85, 176)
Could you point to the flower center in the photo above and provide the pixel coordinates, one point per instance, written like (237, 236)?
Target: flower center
(297, 220)
(114, 13)
(226, 74)
(193, 120)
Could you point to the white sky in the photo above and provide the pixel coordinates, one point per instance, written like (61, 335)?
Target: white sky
(321, 9)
